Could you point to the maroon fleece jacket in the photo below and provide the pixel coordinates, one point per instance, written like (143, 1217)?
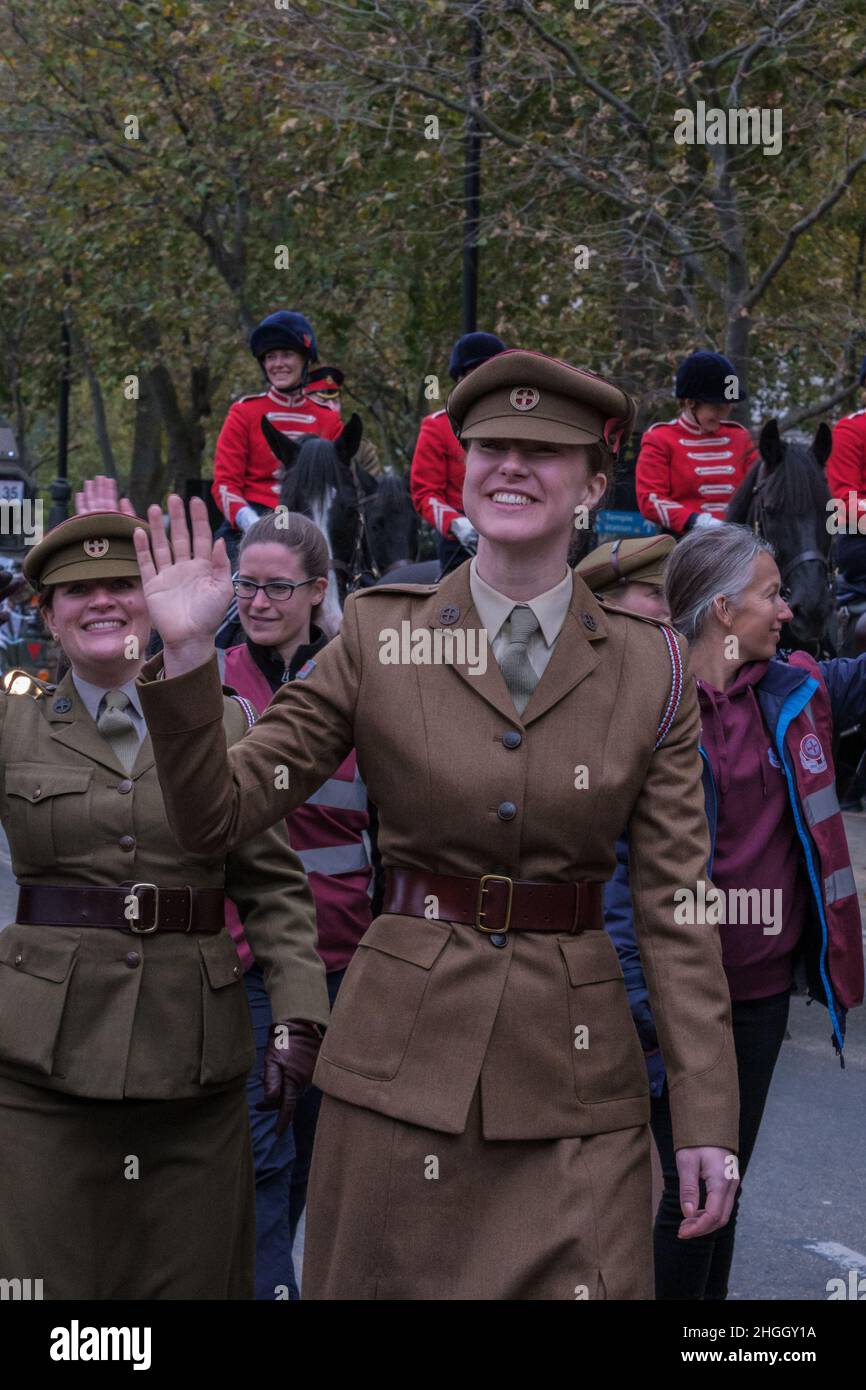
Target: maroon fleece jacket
(756, 840)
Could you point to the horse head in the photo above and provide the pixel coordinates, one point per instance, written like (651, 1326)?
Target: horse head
(368, 525)
(784, 498)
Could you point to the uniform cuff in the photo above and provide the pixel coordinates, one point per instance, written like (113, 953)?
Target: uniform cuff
(182, 703)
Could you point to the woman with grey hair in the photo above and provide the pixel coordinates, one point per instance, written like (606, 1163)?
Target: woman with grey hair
(782, 891)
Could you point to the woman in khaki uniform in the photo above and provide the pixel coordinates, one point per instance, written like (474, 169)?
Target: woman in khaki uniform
(484, 1129)
(125, 1165)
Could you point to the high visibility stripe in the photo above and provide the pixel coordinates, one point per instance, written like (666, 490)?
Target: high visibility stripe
(821, 805)
(343, 796)
(334, 859)
(840, 884)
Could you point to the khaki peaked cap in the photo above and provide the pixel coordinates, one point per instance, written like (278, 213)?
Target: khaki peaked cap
(639, 560)
(526, 395)
(98, 545)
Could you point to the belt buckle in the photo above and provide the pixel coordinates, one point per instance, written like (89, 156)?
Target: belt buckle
(482, 912)
(145, 931)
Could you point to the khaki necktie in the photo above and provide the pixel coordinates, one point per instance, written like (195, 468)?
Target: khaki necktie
(517, 670)
(117, 727)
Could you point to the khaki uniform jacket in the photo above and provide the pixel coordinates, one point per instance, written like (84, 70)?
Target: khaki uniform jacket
(429, 1009)
(110, 1014)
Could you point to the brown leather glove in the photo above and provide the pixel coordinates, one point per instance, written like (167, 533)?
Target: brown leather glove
(290, 1060)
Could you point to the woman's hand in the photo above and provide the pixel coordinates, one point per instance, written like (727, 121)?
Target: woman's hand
(100, 495)
(187, 584)
(718, 1170)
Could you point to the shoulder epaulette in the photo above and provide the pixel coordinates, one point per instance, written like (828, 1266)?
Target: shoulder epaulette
(422, 590)
(657, 423)
(736, 424)
(18, 682)
(254, 396)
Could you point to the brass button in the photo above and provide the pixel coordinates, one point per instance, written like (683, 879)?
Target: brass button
(37, 793)
(512, 739)
(125, 785)
(18, 959)
(133, 959)
(506, 810)
(236, 971)
(126, 842)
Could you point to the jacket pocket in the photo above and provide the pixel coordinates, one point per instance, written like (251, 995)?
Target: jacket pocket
(49, 812)
(35, 974)
(606, 1053)
(381, 996)
(227, 1049)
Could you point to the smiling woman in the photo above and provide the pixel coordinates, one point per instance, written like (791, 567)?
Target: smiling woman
(124, 1032)
(482, 1036)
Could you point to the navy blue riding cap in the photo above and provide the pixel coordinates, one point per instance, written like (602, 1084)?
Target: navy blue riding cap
(706, 376)
(471, 350)
(284, 329)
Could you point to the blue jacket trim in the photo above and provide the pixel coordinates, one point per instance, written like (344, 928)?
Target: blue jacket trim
(794, 705)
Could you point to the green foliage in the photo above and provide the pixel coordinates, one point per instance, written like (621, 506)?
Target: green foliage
(306, 126)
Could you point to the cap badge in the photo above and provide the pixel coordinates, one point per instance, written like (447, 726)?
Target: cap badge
(96, 548)
(524, 398)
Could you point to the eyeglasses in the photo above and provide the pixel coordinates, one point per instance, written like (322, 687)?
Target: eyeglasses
(278, 590)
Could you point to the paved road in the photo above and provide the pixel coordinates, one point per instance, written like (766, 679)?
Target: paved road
(803, 1213)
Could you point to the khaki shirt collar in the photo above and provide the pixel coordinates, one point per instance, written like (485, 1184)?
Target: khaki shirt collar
(93, 695)
(494, 608)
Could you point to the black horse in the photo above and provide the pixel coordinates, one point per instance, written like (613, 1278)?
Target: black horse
(785, 499)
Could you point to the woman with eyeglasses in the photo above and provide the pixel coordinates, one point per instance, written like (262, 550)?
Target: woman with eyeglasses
(281, 582)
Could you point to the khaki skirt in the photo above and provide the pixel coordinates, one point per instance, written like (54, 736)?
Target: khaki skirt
(395, 1211)
(107, 1199)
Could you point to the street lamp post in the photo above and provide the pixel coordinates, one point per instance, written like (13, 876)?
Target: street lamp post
(60, 489)
(472, 172)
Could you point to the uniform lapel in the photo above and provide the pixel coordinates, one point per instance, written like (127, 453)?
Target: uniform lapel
(74, 728)
(451, 607)
(574, 654)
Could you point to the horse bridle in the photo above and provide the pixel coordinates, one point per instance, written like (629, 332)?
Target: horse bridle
(356, 570)
(803, 556)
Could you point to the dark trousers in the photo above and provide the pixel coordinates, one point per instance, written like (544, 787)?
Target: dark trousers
(282, 1162)
(450, 552)
(851, 557)
(233, 536)
(699, 1269)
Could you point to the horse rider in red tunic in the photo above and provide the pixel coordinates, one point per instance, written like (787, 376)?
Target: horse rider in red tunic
(689, 468)
(245, 484)
(438, 465)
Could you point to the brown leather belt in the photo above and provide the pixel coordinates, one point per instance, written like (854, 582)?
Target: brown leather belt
(159, 909)
(496, 903)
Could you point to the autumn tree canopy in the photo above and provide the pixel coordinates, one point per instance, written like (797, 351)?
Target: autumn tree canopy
(175, 170)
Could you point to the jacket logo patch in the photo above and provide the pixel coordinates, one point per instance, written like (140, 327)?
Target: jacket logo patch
(812, 754)
(305, 670)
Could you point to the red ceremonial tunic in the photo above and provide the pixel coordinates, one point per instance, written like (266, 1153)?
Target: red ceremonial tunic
(326, 833)
(846, 466)
(245, 468)
(438, 469)
(683, 470)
